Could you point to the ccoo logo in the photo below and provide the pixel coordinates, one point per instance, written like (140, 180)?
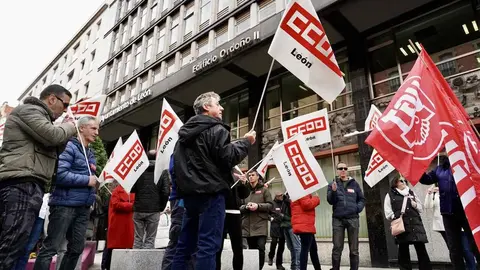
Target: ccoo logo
(129, 160)
(90, 108)
(303, 171)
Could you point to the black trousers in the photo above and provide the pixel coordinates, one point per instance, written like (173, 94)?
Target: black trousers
(281, 247)
(233, 226)
(309, 245)
(453, 229)
(258, 242)
(404, 261)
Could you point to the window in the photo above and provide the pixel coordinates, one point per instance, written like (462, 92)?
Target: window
(223, 6)
(55, 69)
(133, 88)
(174, 31)
(157, 74)
(115, 40)
(236, 114)
(123, 95)
(44, 80)
(266, 8)
(205, 11)
(165, 4)
(74, 97)
(82, 64)
(138, 55)
(143, 21)
(154, 11)
(202, 47)
(124, 8)
(221, 35)
(127, 63)
(242, 23)
(130, 4)
(124, 35)
(99, 24)
(119, 66)
(110, 76)
(144, 83)
(92, 60)
(134, 27)
(65, 62)
(186, 56)
(86, 85)
(87, 40)
(75, 52)
(69, 79)
(188, 21)
(171, 66)
(161, 40)
(148, 55)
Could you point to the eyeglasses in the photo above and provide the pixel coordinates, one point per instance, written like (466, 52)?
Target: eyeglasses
(402, 181)
(342, 169)
(65, 105)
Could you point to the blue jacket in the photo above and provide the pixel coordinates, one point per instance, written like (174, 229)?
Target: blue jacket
(347, 202)
(449, 199)
(71, 185)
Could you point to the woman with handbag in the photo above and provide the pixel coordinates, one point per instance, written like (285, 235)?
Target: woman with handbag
(403, 208)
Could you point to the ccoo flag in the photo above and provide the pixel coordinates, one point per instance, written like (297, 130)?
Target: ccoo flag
(301, 46)
(314, 126)
(89, 107)
(170, 124)
(104, 176)
(267, 161)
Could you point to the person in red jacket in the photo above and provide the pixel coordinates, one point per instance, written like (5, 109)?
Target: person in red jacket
(120, 221)
(303, 223)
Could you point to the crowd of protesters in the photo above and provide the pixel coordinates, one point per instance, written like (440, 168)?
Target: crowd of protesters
(208, 200)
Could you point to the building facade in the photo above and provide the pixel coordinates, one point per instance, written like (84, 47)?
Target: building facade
(76, 66)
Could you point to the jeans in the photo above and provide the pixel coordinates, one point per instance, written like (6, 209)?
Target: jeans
(281, 247)
(352, 226)
(293, 244)
(19, 207)
(309, 245)
(233, 226)
(258, 242)
(32, 241)
(453, 228)
(468, 255)
(202, 229)
(146, 225)
(64, 222)
(404, 261)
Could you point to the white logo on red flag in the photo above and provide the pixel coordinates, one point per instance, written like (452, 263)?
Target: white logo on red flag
(299, 169)
(129, 162)
(372, 119)
(89, 107)
(301, 45)
(314, 126)
(105, 177)
(170, 124)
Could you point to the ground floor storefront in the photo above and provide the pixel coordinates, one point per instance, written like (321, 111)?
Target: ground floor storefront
(375, 56)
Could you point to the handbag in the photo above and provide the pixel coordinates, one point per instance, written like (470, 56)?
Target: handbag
(397, 227)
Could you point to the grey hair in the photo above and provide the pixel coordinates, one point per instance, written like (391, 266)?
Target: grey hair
(85, 119)
(204, 99)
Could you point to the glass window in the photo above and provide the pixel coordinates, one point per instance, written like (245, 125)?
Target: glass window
(266, 8)
(154, 11)
(202, 47)
(273, 113)
(165, 4)
(144, 83)
(124, 35)
(123, 95)
(221, 35)
(127, 63)
(115, 40)
(124, 8)
(133, 88)
(186, 56)
(161, 40)
(384, 70)
(110, 76)
(157, 74)
(235, 114)
(143, 21)
(205, 11)
(92, 60)
(345, 98)
(134, 27)
(171, 66)
(148, 55)
(188, 19)
(99, 25)
(242, 23)
(75, 52)
(87, 39)
(222, 4)
(119, 66)
(138, 55)
(174, 31)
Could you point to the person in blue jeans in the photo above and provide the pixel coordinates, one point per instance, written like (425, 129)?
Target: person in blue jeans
(72, 196)
(203, 160)
(34, 235)
(468, 254)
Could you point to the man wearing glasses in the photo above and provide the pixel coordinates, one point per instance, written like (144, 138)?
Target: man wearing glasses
(346, 196)
(28, 158)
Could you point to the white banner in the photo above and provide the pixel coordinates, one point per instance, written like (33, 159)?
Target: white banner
(170, 124)
(89, 107)
(129, 162)
(267, 161)
(301, 46)
(298, 168)
(373, 115)
(314, 126)
(104, 176)
(378, 168)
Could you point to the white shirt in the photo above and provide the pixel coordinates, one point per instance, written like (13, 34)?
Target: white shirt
(433, 202)
(387, 205)
(44, 209)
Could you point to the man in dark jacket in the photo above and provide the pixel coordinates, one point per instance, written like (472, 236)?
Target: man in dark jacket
(276, 232)
(346, 196)
(28, 158)
(203, 161)
(150, 200)
(255, 215)
(292, 240)
(71, 199)
(452, 212)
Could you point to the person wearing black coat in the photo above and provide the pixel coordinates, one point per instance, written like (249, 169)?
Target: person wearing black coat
(276, 232)
(414, 231)
(150, 200)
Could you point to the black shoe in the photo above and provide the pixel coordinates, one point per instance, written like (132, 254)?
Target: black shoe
(270, 262)
(279, 267)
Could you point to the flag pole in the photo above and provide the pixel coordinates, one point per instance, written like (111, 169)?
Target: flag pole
(247, 172)
(418, 53)
(333, 158)
(263, 94)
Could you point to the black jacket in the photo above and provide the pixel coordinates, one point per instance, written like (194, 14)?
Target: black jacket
(204, 156)
(347, 201)
(276, 213)
(151, 198)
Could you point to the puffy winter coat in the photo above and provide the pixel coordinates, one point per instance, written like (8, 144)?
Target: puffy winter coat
(120, 219)
(255, 223)
(347, 201)
(151, 197)
(303, 214)
(71, 185)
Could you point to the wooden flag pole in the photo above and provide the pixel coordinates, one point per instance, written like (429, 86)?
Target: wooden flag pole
(418, 53)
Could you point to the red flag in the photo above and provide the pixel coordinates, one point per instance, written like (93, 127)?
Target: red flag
(407, 135)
